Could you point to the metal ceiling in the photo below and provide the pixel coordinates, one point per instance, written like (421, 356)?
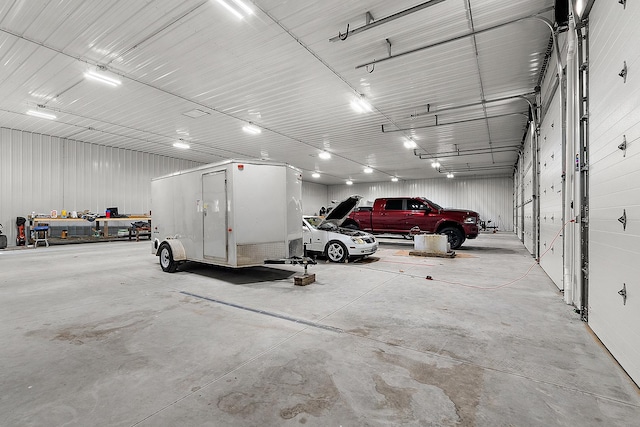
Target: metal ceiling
(278, 69)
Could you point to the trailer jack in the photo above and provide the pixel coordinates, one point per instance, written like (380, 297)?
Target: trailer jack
(305, 279)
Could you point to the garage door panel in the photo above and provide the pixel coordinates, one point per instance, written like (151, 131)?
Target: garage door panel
(615, 191)
(625, 354)
(528, 236)
(614, 181)
(550, 195)
(616, 95)
(622, 119)
(611, 41)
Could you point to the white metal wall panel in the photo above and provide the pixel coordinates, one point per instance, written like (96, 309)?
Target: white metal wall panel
(551, 243)
(40, 173)
(527, 189)
(490, 197)
(614, 177)
(314, 196)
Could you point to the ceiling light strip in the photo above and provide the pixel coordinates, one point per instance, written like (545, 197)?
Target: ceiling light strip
(102, 78)
(230, 9)
(41, 114)
(242, 5)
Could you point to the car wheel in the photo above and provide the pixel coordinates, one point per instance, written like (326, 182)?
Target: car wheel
(336, 251)
(166, 259)
(454, 236)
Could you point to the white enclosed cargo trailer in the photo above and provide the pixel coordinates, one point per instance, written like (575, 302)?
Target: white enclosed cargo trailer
(234, 213)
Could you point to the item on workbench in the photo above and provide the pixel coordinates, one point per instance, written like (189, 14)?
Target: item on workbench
(113, 213)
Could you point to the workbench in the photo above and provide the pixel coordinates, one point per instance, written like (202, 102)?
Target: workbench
(101, 220)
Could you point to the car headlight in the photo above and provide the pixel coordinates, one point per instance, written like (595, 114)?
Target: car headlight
(357, 240)
(470, 220)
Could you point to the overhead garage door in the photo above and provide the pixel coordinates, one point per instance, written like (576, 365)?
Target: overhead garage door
(551, 191)
(527, 187)
(614, 199)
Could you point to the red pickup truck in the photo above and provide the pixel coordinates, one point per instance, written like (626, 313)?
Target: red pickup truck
(412, 215)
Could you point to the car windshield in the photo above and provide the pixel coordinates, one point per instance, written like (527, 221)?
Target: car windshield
(435, 205)
(314, 221)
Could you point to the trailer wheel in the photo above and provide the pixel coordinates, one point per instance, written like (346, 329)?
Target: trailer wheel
(336, 251)
(166, 259)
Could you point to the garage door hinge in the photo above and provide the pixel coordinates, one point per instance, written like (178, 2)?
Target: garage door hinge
(623, 219)
(623, 3)
(623, 146)
(623, 293)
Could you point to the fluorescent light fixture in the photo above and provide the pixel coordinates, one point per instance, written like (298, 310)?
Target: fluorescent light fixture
(230, 9)
(242, 5)
(254, 130)
(349, 182)
(361, 105)
(394, 179)
(449, 175)
(36, 113)
(435, 165)
(325, 155)
(315, 175)
(368, 170)
(410, 143)
(93, 75)
(181, 145)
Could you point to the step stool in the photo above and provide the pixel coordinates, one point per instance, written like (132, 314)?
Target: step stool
(40, 234)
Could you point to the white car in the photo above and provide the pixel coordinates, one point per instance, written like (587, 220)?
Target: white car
(323, 236)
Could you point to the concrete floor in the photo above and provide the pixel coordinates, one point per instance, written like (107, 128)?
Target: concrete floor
(98, 335)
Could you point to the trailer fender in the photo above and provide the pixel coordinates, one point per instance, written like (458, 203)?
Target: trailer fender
(177, 249)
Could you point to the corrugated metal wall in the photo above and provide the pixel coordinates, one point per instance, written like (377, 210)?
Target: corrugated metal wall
(41, 173)
(492, 198)
(314, 196)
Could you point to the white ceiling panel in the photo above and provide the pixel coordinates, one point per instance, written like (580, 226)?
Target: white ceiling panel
(425, 74)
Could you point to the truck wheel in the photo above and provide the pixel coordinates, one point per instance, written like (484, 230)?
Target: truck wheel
(336, 251)
(454, 235)
(166, 259)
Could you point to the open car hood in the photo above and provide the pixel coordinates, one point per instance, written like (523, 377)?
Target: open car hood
(339, 213)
